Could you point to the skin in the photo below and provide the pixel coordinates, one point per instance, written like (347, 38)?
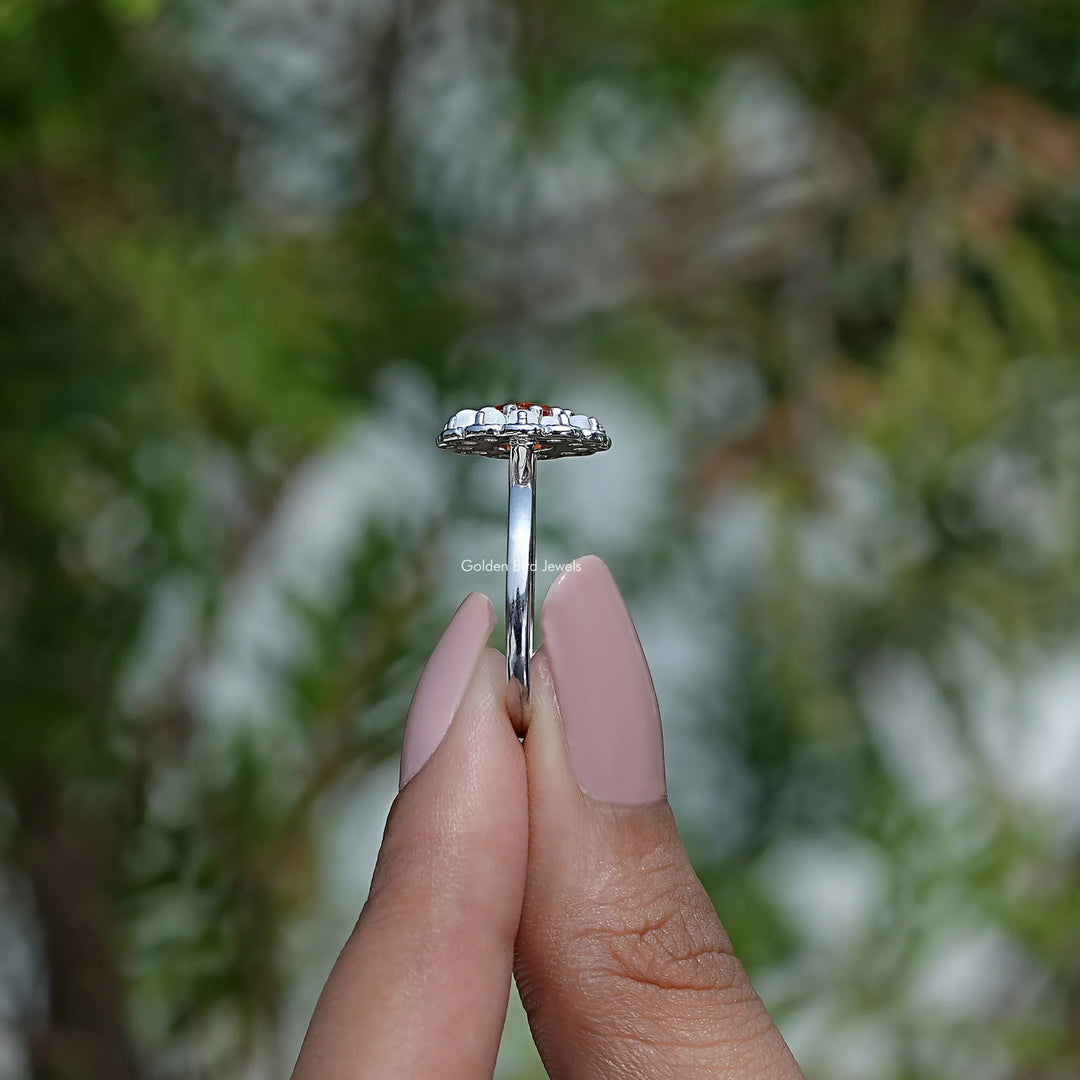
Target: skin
(495, 863)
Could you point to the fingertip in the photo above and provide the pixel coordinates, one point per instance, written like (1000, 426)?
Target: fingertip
(610, 714)
(490, 724)
(483, 602)
(580, 564)
(444, 682)
(480, 760)
(552, 787)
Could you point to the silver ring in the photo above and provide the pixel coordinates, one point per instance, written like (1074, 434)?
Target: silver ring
(523, 432)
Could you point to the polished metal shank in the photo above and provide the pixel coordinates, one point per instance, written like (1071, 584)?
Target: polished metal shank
(520, 574)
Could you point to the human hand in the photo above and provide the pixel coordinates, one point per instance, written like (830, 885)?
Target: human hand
(556, 859)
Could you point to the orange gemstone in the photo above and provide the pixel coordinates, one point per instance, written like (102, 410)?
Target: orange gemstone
(546, 410)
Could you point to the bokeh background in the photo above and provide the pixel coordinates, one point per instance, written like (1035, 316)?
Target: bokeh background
(814, 263)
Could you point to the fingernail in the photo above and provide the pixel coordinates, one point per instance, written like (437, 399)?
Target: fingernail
(444, 682)
(603, 687)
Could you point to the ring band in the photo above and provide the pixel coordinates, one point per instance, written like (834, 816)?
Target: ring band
(524, 433)
(520, 575)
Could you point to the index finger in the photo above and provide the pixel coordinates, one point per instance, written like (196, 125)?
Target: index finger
(421, 986)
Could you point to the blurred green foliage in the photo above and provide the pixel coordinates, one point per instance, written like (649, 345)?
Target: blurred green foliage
(870, 214)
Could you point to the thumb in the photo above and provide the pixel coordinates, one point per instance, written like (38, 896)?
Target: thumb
(621, 961)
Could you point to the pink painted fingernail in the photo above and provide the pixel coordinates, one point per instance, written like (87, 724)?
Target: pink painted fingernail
(444, 682)
(603, 686)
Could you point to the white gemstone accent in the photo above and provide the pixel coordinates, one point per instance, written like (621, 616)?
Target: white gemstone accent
(554, 432)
